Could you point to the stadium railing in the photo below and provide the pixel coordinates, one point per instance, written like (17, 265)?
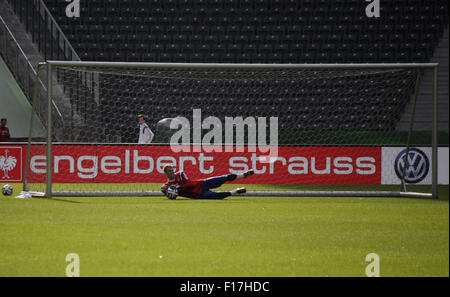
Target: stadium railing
(44, 30)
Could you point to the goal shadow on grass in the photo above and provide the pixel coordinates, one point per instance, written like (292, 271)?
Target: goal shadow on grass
(56, 199)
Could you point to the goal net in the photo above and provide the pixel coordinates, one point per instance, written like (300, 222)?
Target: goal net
(306, 130)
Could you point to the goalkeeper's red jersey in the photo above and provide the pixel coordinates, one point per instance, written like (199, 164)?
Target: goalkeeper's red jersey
(186, 187)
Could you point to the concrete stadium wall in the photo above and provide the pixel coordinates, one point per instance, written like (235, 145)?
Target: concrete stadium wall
(15, 107)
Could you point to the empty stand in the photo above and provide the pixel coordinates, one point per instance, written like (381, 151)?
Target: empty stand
(281, 31)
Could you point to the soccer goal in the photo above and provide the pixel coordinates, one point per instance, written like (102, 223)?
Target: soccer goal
(332, 130)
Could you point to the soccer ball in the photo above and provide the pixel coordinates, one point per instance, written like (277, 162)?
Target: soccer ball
(172, 193)
(7, 190)
(163, 131)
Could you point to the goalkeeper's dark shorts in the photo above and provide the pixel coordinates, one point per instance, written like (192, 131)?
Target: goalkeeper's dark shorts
(215, 182)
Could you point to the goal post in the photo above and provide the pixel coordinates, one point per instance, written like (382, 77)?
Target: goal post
(337, 132)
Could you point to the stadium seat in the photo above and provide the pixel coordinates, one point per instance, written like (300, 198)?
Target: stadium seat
(308, 57)
(165, 57)
(133, 38)
(118, 38)
(111, 29)
(291, 58)
(275, 58)
(101, 56)
(235, 49)
(96, 29)
(142, 29)
(118, 56)
(157, 48)
(180, 39)
(120, 20)
(259, 58)
(419, 56)
(248, 30)
(265, 49)
(328, 47)
(133, 57)
(187, 49)
(250, 49)
(126, 29)
(243, 58)
(94, 48)
(112, 11)
(272, 39)
(257, 40)
(241, 40)
(149, 57)
(229, 58)
(157, 30)
(281, 49)
(196, 58)
(372, 57)
(97, 12)
(338, 57)
(204, 49)
(196, 40)
(90, 38)
(212, 58)
(164, 38)
(142, 48)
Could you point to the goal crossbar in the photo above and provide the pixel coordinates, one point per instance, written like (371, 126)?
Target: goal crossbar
(243, 66)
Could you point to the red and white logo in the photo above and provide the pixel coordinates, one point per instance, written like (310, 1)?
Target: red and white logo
(10, 164)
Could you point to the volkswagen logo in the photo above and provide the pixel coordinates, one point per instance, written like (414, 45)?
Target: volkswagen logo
(417, 165)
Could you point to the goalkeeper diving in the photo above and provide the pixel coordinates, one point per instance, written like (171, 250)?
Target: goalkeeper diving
(179, 184)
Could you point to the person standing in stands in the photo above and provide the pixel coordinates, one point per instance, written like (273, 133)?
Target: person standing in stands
(4, 131)
(145, 134)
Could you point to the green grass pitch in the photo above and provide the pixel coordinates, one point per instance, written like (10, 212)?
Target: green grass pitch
(239, 236)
